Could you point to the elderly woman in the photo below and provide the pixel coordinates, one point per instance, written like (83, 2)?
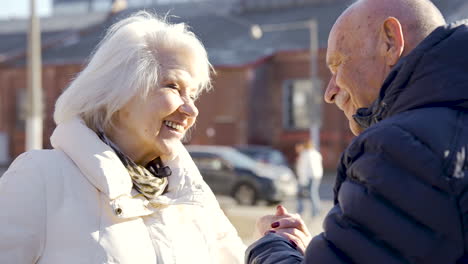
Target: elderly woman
(119, 186)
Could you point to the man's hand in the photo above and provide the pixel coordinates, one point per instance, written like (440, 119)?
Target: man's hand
(289, 226)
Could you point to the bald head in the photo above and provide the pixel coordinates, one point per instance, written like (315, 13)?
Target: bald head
(367, 41)
(418, 18)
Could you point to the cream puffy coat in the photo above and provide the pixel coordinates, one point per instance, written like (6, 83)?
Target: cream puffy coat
(75, 204)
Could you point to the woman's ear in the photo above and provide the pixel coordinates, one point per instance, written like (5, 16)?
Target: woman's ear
(393, 40)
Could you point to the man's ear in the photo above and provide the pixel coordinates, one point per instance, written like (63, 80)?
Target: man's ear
(393, 40)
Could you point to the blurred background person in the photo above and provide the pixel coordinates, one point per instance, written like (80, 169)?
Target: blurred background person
(119, 186)
(309, 171)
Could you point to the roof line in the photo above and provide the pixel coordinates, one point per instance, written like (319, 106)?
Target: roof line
(68, 34)
(263, 59)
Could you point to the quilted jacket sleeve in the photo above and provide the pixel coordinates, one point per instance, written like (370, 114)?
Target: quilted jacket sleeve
(22, 214)
(271, 249)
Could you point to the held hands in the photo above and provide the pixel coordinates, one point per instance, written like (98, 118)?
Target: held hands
(289, 226)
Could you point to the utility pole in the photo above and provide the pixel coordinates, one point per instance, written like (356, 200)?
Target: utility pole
(34, 116)
(316, 94)
(90, 5)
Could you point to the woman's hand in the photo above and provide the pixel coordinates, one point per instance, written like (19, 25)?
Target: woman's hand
(289, 226)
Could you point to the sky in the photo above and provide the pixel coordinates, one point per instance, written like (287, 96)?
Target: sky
(20, 8)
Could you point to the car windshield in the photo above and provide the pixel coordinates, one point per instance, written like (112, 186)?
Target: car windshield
(268, 156)
(277, 158)
(238, 159)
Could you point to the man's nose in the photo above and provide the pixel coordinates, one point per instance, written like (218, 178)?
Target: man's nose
(331, 91)
(188, 108)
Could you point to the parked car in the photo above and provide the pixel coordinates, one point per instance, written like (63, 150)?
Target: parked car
(229, 172)
(264, 154)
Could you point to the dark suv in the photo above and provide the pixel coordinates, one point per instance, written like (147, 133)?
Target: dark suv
(229, 172)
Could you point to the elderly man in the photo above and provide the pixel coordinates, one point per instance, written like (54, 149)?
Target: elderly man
(400, 75)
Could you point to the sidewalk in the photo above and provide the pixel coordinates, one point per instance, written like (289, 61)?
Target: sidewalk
(245, 217)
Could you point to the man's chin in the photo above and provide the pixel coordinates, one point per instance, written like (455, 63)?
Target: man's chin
(355, 128)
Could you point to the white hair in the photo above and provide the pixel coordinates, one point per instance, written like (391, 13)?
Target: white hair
(126, 64)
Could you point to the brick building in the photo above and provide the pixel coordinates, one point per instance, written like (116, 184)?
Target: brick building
(251, 100)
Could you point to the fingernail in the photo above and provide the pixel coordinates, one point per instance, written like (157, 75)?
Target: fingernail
(270, 232)
(275, 224)
(278, 206)
(293, 243)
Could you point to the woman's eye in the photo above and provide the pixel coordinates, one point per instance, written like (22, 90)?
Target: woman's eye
(172, 86)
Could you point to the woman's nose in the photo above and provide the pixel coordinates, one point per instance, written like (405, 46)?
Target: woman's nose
(188, 108)
(331, 91)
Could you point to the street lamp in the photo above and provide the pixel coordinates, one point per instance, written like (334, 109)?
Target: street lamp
(256, 32)
(34, 114)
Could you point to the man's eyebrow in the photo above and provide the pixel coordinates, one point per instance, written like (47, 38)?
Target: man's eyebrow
(331, 61)
(334, 60)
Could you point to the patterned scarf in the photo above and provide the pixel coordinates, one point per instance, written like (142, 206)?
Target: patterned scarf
(151, 181)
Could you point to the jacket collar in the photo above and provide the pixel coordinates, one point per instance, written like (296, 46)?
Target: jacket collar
(94, 158)
(433, 75)
(101, 166)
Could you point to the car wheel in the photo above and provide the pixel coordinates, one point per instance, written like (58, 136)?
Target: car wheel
(245, 194)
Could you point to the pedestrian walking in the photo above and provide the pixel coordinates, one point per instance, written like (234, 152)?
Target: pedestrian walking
(309, 172)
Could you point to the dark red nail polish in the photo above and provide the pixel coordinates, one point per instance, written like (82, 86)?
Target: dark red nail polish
(293, 243)
(270, 232)
(275, 224)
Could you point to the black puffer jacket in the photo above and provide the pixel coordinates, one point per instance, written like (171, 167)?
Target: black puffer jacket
(401, 194)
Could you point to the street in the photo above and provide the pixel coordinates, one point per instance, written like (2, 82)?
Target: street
(244, 217)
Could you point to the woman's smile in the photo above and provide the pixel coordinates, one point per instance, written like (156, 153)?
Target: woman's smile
(174, 125)
(174, 128)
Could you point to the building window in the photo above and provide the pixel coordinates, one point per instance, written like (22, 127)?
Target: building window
(301, 104)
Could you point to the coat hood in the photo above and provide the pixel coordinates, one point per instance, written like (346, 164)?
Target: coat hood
(434, 74)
